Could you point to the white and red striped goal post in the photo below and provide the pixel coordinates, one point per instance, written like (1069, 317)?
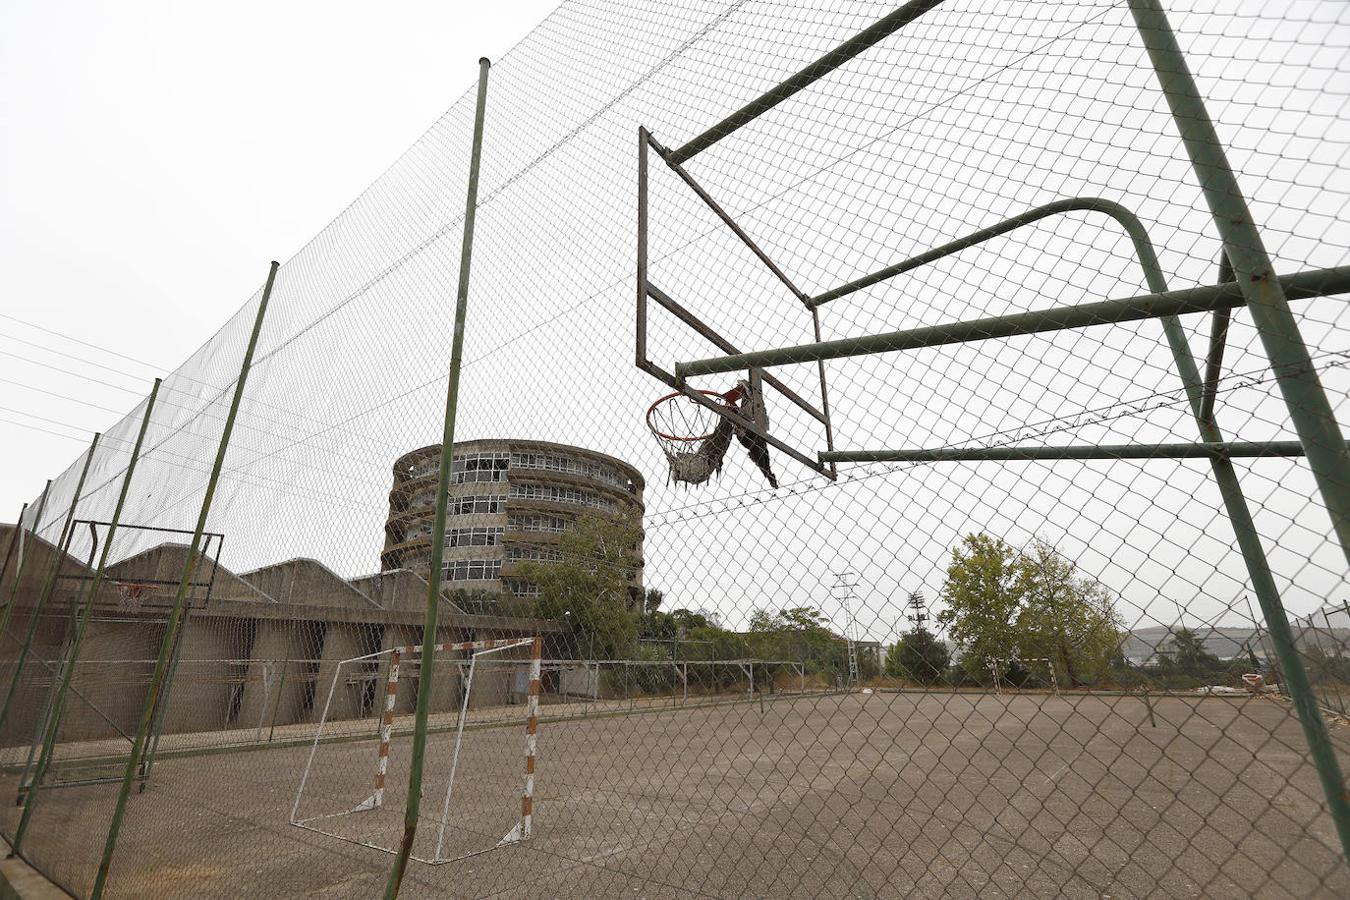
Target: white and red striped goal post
(523, 829)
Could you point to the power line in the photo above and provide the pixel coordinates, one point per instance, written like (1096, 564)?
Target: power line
(34, 362)
(69, 437)
(19, 412)
(139, 362)
(116, 412)
(80, 359)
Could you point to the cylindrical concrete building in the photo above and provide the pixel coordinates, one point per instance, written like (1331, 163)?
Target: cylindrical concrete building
(510, 501)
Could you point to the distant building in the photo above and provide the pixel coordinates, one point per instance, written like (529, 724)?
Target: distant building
(510, 501)
(1146, 646)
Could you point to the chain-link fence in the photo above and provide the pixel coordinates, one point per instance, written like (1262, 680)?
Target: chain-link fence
(973, 522)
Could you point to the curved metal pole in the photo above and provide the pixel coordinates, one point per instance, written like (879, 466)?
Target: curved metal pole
(1309, 409)
(1218, 338)
(1121, 214)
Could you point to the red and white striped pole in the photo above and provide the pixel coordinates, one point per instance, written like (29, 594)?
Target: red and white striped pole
(531, 728)
(386, 726)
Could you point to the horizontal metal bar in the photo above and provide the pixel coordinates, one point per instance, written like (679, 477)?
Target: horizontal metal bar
(1314, 283)
(1229, 449)
(122, 525)
(684, 315)
(1073, 204)
(868, 37)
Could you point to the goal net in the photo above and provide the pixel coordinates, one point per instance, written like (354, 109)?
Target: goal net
(478, 779)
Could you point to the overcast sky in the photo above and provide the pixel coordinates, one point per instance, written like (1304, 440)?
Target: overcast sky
(148, 189)
(157, 155)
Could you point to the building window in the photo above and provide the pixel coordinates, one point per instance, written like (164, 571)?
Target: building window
(473, 570)
(555, 494)
(476, 475)
(552, 463)
(543, 554)
(485, 536)
(479, 467)
(477, 503)
(522, 588)
(546, 524)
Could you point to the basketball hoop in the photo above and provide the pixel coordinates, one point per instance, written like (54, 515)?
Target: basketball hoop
(693, 437)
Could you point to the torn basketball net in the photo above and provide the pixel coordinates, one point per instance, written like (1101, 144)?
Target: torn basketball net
(695, 438)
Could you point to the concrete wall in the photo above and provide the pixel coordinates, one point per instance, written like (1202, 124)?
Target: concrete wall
(261, 652)
(273, 683)
(343, 641)
(111, 680)
(208, 675)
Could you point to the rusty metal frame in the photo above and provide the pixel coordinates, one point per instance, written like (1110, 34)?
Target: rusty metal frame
(646, 290)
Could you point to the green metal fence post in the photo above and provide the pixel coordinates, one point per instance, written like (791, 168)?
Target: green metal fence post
(66, 673)
(48, 582)
(16, 538)
(157, 679)
(428, 659)
(1309, 408)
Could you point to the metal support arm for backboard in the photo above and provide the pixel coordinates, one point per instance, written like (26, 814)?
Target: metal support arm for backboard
(1309, 409)
(1247, 280)
(1314, 283)
(1203, 450)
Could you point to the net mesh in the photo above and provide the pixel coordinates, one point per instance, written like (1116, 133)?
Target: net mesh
(715, 719)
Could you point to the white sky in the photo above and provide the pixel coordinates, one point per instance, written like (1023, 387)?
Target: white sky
(955, 125)
(157, 155)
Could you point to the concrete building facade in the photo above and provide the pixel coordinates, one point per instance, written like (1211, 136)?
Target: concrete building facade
(261, 651)
(258, 655)
(510, 502)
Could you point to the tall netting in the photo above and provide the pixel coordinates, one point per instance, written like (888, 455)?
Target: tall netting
(1023, 570)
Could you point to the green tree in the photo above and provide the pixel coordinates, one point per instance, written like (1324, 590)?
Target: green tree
(659, 676)
(798, 633)
(1185, 653)
(708, 642)
(673, 627)
(983, 594)
(590, 588)
(652, 599)
(918, 656)
(1004, 603)
(658, 626)
(1065, 616)
(687, 620)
